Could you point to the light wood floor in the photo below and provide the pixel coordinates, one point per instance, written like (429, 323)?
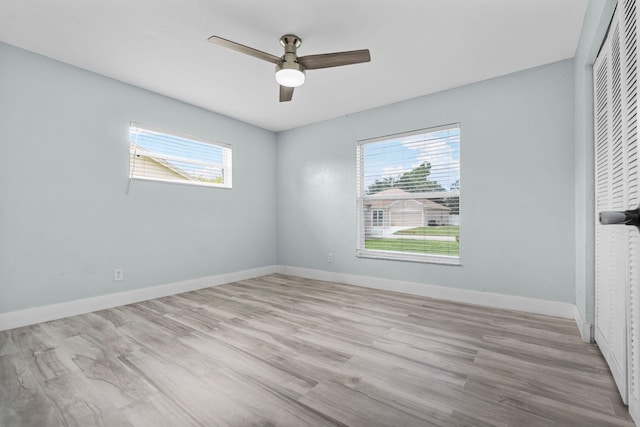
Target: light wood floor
(286, 351)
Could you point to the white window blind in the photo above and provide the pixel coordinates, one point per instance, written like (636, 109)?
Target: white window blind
(160, 156)
(409, 196)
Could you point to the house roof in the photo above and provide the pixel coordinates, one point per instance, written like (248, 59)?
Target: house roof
(140, 151)
(395, 195)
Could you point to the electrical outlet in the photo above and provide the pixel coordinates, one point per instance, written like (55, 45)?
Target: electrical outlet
(118, 274)
(330, 258)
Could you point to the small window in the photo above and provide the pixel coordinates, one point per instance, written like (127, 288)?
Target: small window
(377, 218)
(160, 156)
(409, 196)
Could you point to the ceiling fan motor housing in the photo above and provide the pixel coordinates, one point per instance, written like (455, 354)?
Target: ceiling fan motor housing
(289, 72)
(291, 44)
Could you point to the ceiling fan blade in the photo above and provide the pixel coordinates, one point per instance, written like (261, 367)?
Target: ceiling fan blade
(245, 49)
(326, 60)
(286, 93)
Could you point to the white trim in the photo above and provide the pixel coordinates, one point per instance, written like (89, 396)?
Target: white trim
(634, 411)
(583, 327)
(408, 256)
(411, 133)
(30, 316)
(488, 299)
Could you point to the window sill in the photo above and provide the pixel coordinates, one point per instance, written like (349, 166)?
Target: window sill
(190, 183)
(398, 256)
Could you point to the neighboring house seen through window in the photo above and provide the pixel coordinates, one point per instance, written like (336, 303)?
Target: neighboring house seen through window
(409, 196)
(160, 156)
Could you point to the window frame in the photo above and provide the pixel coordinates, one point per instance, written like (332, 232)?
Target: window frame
(227, 158)
(361, 197)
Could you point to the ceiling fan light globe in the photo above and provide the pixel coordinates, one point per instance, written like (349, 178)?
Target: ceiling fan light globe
(290, 77)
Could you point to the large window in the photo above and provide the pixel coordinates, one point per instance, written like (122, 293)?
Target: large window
(160, 156)
(409, 196)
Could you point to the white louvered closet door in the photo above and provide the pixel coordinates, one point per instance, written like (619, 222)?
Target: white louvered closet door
(611, 252)
(629, 73)
(617, 265)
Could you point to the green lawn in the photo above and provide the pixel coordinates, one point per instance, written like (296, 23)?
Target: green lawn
(451, 230)
(412, 245)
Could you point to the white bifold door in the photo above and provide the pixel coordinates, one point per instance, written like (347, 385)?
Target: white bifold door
(617, 263)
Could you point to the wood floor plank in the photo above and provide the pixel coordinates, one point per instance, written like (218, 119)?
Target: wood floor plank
(362, 410)
(22, 401)
(155, 410)
(267, 405)
(283, 378)
(288, 351)
(6, 344)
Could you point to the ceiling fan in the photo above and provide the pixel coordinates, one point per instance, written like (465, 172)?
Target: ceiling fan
(290, 68)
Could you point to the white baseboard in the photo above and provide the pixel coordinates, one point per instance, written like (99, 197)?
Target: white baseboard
(583, 327)
(30, 316)
(510, 302)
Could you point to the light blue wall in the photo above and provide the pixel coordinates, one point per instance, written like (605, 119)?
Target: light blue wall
(517, 186)
(65, 218)
(594, 29)
(66, 222)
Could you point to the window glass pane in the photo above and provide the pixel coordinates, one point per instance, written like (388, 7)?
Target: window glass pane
(409, 196)
(161, 156)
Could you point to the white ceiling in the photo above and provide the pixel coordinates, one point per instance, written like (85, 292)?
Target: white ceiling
(417, 47)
